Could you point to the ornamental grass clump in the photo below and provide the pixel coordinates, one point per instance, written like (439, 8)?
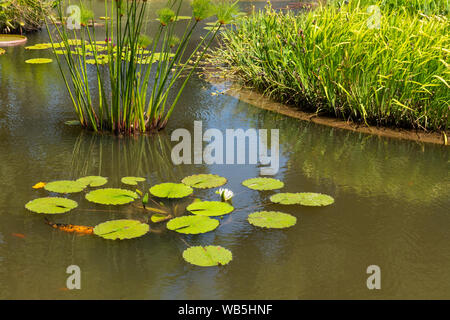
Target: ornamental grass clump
(128, 86)
(332, 60)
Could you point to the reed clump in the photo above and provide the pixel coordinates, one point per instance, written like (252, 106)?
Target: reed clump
(335, 60)
(131, 81)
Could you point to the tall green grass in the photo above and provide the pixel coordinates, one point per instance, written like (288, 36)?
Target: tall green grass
(18, 16)
(329, 60)
(131, 87)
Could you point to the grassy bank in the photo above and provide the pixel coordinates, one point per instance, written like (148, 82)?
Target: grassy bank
(18, 16)
(337, 60)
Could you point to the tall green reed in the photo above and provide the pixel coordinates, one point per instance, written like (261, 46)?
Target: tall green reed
(134, 88)
(329, 60)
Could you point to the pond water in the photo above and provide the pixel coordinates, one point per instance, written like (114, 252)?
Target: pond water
(391, 207)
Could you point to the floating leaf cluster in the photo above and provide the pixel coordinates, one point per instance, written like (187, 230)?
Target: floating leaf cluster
(202, 220)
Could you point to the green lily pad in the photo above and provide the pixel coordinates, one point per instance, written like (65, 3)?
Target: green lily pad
(121, 229)
(132, 181)
(158, 217)
(192, 224)
(208, 256)
(210, 208)
(263, 183)
(203, 181)
(65, 186)
(303, 198)
(38, 61)
(93, 181)
(51, 205)
(272, 219)
(171, 190)
(114, 196)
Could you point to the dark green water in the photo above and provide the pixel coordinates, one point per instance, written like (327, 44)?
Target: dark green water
(391, 205)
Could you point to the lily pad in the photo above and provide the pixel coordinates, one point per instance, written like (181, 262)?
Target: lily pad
(263, 183)
(208, 256)
(203, 181)
(132, 181)
(158, 217)
(192, 224)
(210, 208)
(171, 190)
(114, 196)
(272, 219)
(65, 186)
(51, 205)
(121, 229)
(93, 181)
(38, 61)
(303, 198)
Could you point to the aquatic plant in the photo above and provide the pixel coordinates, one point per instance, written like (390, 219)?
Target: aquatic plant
(121, 229)
(131, 96)
(207, 256)
(111, 196)
(204, 181)
(263, 184)
(38, 61)
(202, 221)
(329, 61)
(271, 219)
(51, 205)
(18, 16)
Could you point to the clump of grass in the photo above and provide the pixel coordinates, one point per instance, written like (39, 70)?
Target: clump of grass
(130, 89)
(18, 16)
(329, 60)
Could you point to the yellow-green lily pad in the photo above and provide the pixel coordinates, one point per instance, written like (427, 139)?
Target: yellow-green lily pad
(65, 186)
(210, 208)
(38, 61)
(93, 181)
(132, 181)
(112, 196)
(121, 229)
(51, 205)
(272, 219)
(203, 181)
(192, 224)
(303, 198)
(171, 190)
(208, 256)
(263, 183)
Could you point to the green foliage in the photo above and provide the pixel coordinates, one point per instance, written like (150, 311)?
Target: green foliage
(38, 61)
(171, 190)
(203, 9)
(203, 181)
(208, 256)
(112, 196)
(263, 184)
(51, 205)
(192, 224)
(303, 198)
(93, 181)
(272, 219)
(329, 61)
(132, 181)
(121, 229)
(65, 186)
(210, 208)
